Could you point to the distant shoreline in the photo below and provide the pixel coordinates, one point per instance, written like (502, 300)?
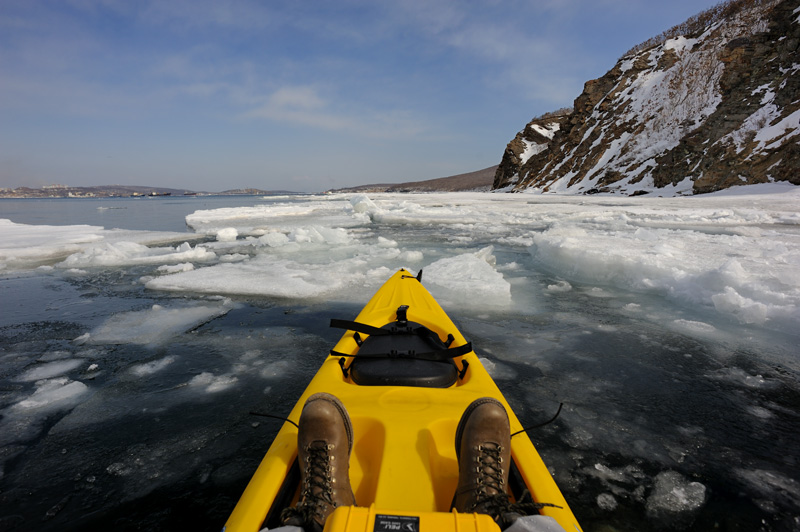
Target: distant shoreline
(124, 191)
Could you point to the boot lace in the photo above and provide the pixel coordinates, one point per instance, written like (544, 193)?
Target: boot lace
(492, 498)
(317, 493)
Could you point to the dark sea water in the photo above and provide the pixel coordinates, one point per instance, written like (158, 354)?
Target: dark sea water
(660, 430)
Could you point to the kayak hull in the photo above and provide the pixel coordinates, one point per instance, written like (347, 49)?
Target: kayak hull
(403, 461)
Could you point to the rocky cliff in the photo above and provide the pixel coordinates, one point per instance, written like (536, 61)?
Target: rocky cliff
(713, 105)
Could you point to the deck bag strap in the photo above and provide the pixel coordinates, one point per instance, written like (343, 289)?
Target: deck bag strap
(359, 327)
(437, 356)
(401, 353)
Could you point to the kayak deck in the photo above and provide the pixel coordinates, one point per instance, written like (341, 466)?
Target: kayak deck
(403, 460)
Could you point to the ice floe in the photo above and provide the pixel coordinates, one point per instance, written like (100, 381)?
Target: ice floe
(23, 420)
(150, 368)
(53, 393)
(133, 254)
(675, 499)
(469, 277)
(735, 255)
(153, 326)
(211, 383)
(50, 370)
(26, 246)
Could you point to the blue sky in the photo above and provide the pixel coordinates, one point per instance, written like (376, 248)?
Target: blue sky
(298, 95)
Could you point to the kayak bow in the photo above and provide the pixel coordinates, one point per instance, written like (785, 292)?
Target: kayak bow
(406, 375)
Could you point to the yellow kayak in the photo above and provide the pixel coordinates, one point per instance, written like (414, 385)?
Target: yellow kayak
(406, 375)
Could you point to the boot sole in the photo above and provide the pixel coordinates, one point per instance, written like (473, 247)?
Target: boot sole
(348, 426)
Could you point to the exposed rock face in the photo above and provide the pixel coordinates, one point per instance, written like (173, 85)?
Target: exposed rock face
(532, 140)
(694, 114)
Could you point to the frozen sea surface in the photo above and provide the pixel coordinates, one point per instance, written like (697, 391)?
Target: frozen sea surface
(137, 335)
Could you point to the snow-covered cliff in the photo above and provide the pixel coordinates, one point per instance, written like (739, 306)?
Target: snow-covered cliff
(698, 112)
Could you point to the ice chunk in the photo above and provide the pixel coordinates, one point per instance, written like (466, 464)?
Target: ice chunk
(606, 501)
(411, 256)
(469, 278)
(278, 368)
(772, 485)
(24, 420)
(131, 253)
(742, 378)
(386, 243)
(174, 268)
(362, 203)
(55, 355)
(53, 394)
(674, 498)
(149, 368)
(497, 370)
(228, 234)
(232, 257)
(274, 239)
(29, 246)
(47, 371)
(35, 243)
(708, 258)
(560, 286)
(320, 235)
(155, 325)
(745, 309)
(760, 412)
(262, 275)
(694, 328)
(535, 523)
(260, 219)
(211, 383)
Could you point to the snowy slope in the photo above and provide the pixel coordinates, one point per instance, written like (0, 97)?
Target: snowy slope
(696, 113)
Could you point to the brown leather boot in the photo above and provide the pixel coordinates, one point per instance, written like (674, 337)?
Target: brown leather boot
(324, 442)
(483, 448)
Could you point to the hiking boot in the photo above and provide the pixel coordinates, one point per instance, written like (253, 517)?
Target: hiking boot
(483, 448)
(324, 442)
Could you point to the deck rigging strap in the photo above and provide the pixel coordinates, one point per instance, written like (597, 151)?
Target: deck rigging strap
(400, 328)
(360, 327)
(436, 356)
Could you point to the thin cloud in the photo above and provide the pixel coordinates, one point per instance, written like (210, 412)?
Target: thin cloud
(304, 106)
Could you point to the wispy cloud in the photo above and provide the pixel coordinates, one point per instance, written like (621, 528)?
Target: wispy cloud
(305, 106)
(201, 14)
(436, 80)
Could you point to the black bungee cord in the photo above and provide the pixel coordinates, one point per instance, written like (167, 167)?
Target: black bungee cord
(560, 405)
(262, 414)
